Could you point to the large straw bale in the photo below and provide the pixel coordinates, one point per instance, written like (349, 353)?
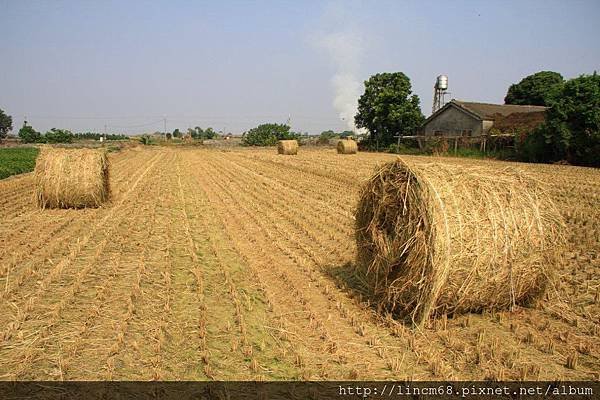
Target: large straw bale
(436, 239)
(71, 178)
(289, 147)
(347, 146)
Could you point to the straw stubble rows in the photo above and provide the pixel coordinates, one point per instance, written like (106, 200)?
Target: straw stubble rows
(237, 265)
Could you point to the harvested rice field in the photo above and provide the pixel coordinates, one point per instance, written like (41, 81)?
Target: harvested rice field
(238, 265)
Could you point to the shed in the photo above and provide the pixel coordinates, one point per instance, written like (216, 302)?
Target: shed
(462, 118)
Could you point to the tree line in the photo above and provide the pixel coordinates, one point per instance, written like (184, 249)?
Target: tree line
(571, 130)
(195, 133)
(27, 134)
(97, 136)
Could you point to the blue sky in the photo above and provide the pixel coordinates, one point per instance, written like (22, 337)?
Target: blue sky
(234, 64)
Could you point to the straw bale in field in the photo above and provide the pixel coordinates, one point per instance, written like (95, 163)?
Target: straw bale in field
(71, 178)
(288, 147)
(440, 239)
(347, 146)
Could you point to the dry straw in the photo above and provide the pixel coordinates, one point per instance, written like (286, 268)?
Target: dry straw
(71, 178)
(289, 147)
(439, 239)
(347, 146)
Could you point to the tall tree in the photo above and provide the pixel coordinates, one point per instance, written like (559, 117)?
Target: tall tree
(5, 124)
(388, 108)
(537, 89)
(573, 122)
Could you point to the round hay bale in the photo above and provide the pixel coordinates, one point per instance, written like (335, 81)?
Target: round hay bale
(347, 146)
(289, 147)
(71, 178)
(439, 239)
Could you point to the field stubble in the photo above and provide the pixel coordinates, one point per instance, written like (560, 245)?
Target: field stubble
(237, 265)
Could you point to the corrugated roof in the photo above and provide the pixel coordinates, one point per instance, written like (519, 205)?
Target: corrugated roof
(491, 111)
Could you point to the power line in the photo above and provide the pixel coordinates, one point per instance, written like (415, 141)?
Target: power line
(185, 117)
(235, 122)
(85, 117)
(135, 126)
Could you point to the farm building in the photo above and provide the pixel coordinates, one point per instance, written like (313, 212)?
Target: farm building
(462, 118)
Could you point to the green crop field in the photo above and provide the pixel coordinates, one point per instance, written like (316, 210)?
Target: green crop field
(17, 160)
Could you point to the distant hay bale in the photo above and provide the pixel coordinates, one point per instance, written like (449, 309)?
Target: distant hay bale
(443, 239)
(347, 146)
(71, 178)
(289, 147)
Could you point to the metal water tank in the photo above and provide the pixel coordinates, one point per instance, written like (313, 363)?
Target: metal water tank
(442, 82)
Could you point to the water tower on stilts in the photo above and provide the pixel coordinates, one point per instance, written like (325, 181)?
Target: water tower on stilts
(439, 91)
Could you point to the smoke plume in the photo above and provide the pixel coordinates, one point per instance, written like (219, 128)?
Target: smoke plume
(344, 49)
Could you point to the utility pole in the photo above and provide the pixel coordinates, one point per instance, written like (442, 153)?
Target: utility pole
(104, 131)
(165, 121)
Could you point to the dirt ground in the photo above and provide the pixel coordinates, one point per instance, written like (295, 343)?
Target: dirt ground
(234, 265)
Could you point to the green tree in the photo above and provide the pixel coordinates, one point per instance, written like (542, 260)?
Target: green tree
(572, 127)
(5, 124)
(387, 108)
(267, 135)
(176, 133)
(29, 135)
(325, 136)
(196, 133)
(199, 133)
(537, 89)
(97, 136)
(209, 133)
(55, 135)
